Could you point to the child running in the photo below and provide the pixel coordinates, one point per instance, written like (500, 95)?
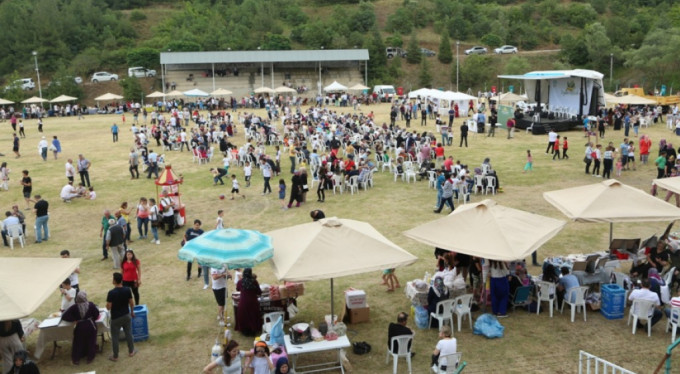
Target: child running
(390, 279)
(234, 187)
(565, 148)
(530, 162)
(556, 149)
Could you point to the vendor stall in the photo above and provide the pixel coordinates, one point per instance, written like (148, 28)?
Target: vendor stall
(169, 183)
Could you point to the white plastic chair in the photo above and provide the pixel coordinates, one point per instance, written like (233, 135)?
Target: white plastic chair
(579, 301)
(490, 185)
(641, 310)
(270, 319)
(673, 321)
(479, 183)
(15, 232)
(545, 292)
(404, 350)
(450, 369)
(463, 193)
(443, 312)
(338, 183)
(462, 306)
(410, 172)
(398, 174)
(432, 179)
(353, 184)
(387, 165)
(623, 281)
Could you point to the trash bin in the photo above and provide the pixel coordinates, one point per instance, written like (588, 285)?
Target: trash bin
(613, 301)
(140, 324)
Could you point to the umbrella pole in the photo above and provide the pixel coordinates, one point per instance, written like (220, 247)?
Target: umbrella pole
(611, 231)
(331, 300)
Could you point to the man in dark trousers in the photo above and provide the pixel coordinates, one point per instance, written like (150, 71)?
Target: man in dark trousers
(463, 134)
(121, 306)
(398, 329)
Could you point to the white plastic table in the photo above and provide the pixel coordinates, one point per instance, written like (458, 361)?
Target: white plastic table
(294, 350)
(54, 330)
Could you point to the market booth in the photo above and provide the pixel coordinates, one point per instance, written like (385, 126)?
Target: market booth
(167, 185)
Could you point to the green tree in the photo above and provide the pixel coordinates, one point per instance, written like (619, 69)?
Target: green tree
(475, 71)
(183, 46)
(573, 50)
(14, 92)
(363, 19)
(145, 57)
(413, 51)
(425, 76)
(656, 57)
(492, 40)
(394, 40)
(445, 55)
(276, 42)
(394, 70)
(63, 83)
(377, 63)
(516, 65)
(132, 90)
(597, 44)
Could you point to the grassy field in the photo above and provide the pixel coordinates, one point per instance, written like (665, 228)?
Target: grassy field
(182, 315)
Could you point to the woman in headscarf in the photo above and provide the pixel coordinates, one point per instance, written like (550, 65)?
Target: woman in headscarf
(85, 315)
(248, 316)
(655, 281)
(282, 366)
(437, 293)
(11, 338)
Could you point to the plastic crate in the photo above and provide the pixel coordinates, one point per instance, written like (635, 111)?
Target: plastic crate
(611, 315)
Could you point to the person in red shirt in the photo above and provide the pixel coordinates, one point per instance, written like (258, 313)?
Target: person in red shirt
(132, 273)
(439, 153)
(565, 147)
(448, 163)
(556, 149)
(645, 144)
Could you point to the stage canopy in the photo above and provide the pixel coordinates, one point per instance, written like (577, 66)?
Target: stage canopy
(577, 92)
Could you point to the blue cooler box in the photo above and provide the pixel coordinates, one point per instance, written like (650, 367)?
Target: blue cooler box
(140, 324)
(613, 301)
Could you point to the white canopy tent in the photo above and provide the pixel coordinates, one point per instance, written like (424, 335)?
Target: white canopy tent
(5, 102)
(63, 98)
(108, 97)
(445, 100)
(156, 94)
(335, 87)
(34, 100)
(196, 93)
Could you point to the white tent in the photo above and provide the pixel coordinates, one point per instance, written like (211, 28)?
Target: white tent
(221, 92)
(358, 87)
(5, 102)
(25, 283)
(34, 100)
(63, 98)
(335, 87)
(156, 94)
(196, 93)
(265, 90)
(423, 93)
(284, 89)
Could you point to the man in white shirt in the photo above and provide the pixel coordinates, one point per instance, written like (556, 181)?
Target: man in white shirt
(219, 286)
(645, 294)
(70, 170)
(10, 220)
(68, 192)
(552, 137)
(152, 158)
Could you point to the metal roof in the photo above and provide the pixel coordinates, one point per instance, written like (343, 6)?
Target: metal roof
(264, 56)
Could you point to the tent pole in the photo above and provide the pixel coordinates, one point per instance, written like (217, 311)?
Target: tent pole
(611, 231)
(331, 300)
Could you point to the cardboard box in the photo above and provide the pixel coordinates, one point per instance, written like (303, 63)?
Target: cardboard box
(355, 299)
(356, 315)
(594, 306)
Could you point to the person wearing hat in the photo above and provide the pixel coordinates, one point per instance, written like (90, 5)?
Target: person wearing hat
(42, 148)
(261, 363)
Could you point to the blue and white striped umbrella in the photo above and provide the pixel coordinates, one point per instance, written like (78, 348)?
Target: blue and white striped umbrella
(234, 248)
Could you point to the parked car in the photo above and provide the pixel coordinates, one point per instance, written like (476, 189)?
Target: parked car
(395, 52)
(506, 49)
(428, 52)
(25, 84)
(78, 80)
(102, 76)
(140, 72)
(476, 50)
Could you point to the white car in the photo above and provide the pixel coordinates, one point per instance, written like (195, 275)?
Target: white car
(25, 84)
(102, 76)
(476, 50)
(140, 72)
(506, 49)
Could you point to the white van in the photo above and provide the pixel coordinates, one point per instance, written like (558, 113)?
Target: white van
(385, 92)
(140, 72)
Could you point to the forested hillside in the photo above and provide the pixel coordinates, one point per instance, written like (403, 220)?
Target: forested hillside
(78, 37)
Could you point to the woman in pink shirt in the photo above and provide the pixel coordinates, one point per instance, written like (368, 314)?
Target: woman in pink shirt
(143, 218)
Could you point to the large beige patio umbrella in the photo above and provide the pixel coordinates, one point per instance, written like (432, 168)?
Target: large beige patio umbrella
(488, 230)
(633, 100)
(5, 102)
(156, 94)
(264, 90)
(670, 184)
(284, 89)
(333, 247)
(221, 92)
(25, 283)
(34, 100)
(108, 96)
(610, 201)
(335, 87)
(174, 93)
(63, 98)
(358, 87)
